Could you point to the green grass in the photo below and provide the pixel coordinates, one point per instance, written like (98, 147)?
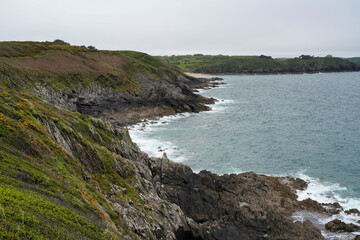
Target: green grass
(45, 193)
(34, 49)
(354, 60)
(254, 64)
(136, 65)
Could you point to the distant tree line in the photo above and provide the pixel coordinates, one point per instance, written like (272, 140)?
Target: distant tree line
(59, 41)
(265, 57)
(306, 57)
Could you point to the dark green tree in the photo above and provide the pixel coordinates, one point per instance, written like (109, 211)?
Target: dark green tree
(59, 41)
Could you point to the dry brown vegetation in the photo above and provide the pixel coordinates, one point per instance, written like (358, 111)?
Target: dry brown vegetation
(62, 62)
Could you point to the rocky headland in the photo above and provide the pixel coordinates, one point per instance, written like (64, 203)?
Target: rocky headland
(69, 169)
(222, 64)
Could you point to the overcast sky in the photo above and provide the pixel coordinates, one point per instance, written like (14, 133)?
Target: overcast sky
(166, 27)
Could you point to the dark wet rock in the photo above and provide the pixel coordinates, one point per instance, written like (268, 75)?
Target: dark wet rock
(332, 208)
(353, 211)
(339, 226)
(235, 206)
(357, 237)
(299, 184)
(312, 205)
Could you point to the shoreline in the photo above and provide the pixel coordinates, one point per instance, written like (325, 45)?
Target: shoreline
(262, 73)
(198, 75)
(317, 211)
(311, 207)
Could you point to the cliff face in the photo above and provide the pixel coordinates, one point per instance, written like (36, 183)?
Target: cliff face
(67, 175)
(121, 87)
(75, 168)
(236, 206)
(169, 96)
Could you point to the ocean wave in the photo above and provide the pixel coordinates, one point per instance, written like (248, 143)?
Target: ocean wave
(144, 135)
(327, 192)
(220, 105)
(156, 147)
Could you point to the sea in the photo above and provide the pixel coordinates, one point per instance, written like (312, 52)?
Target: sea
(298, 125)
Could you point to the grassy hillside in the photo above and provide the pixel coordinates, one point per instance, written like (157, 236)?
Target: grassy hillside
(49, 191)
(67, 66)
(354, 60)
(256, 64)
(65, 175)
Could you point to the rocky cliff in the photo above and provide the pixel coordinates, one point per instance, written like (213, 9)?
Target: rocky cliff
(67, 175)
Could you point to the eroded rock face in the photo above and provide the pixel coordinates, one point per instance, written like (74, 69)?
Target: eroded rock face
(167, 96)
(235, 206)
(177, 203)
(185, 205)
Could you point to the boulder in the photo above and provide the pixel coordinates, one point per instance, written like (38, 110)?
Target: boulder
(339, 226)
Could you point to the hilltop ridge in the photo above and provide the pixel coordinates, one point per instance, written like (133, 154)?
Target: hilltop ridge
(222, 64)
(121, 86)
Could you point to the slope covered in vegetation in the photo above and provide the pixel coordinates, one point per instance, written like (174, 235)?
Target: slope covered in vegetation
(68, 175)
(258, 64)
(109, 84)
(68, 66)
(354, 60)
(51, 163)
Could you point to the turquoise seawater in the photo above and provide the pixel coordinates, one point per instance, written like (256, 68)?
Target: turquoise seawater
(301, 125)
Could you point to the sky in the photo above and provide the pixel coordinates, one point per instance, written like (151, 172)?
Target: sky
(280, 28)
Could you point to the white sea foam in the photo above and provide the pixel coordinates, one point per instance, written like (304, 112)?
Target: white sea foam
(143, 134)
(326, 192)
(220, 105)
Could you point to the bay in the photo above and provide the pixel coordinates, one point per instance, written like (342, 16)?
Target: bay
(299, 125)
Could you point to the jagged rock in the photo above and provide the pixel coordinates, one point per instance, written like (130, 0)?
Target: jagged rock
(183, 205)
(169, 96)
(353, 211)
(333, 208)
(312, 205)
(214, 203)
(339, 226)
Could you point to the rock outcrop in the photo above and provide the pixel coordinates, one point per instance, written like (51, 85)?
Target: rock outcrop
(235, 206)
(339, 226)
(171, 95)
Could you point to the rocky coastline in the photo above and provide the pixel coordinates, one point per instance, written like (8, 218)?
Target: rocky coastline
(80, 170)
(250, 65)
(173, 95)
(203, 205)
